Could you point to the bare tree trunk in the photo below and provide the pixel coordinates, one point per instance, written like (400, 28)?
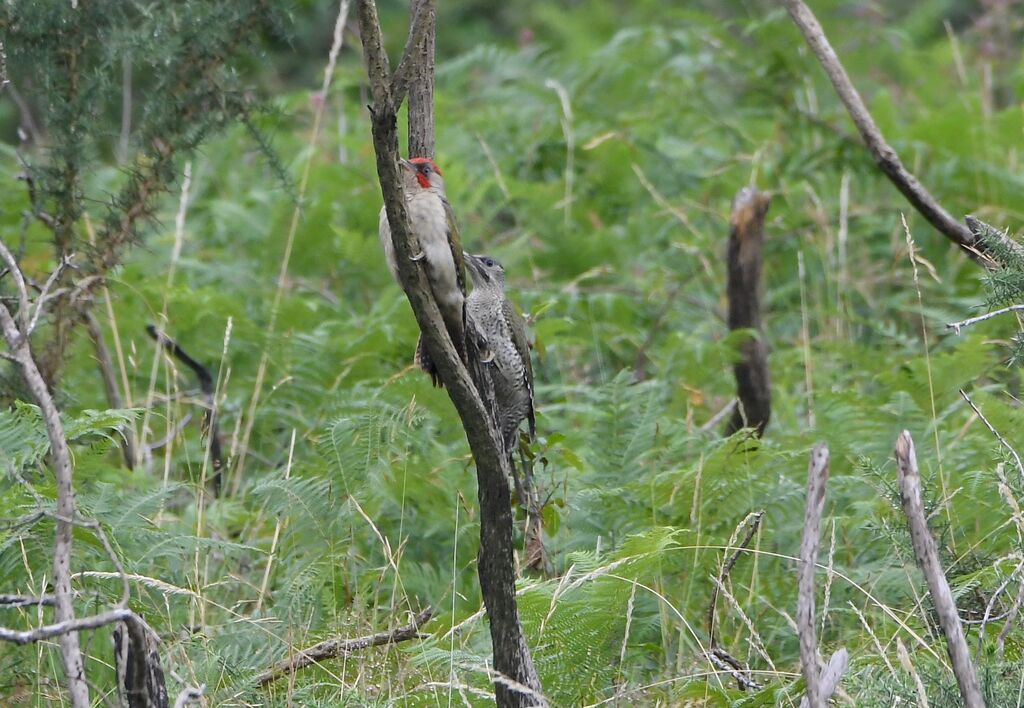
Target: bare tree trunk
(517, 683)
(746, 256)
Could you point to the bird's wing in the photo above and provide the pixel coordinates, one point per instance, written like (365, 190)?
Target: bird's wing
(455, 242)
(517, 329)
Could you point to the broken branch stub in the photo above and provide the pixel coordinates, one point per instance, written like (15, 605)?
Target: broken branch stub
(927, 555)
(745, 260)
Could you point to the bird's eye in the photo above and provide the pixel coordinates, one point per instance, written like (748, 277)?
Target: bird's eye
(489, 262)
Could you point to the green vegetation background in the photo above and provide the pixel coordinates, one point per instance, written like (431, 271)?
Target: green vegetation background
(594, 147)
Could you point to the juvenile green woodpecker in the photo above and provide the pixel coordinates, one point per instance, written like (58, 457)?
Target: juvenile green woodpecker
(433, 223)
(508, 350)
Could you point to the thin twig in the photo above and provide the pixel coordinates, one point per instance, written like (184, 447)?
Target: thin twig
(999, 437)
(718, 417)
(1011, 617)
(332, 648)
(928, 559)
(206, 385)
(884, 155)
(26, 601)
(987, 617)
(46, 294)
(67, 628)
(753, 522)
(956, 326)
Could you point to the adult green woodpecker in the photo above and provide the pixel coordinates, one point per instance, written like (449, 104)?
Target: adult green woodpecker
(433, 223)
(508, 350)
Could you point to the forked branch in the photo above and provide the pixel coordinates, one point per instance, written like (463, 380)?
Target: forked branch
(496, 568)
(19, 349)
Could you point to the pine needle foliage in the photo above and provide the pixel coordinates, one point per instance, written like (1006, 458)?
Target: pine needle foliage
(172, 72)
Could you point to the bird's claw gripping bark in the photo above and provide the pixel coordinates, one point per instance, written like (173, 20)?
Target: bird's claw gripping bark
(417, 257)
(488, 357)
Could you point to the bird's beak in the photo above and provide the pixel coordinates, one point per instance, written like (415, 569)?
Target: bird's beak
(402, 162)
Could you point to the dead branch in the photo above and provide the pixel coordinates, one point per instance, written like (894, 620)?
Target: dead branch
(67, 628)
(817, 478)
(495, 562)
(137, 658)
(18, 345)
(189, 694)
(716, 654)
(208, 388)
(334, 648)
(13, 601)
(1011, 617)
(725, 661)
(928, 560)
(884, 155)
(110, 385)
(987, 617)
(3, 67)
(718, 417)
(746, 247)
(830, 676)
(956, 326)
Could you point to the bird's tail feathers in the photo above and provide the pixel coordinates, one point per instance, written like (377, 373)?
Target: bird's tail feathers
(423, 360)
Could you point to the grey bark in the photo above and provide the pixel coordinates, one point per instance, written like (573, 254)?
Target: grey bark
(817, 477)
(64, 612)
(928, 560)
(518, 684)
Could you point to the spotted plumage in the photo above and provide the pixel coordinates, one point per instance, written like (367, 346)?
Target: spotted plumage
(507, 348)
